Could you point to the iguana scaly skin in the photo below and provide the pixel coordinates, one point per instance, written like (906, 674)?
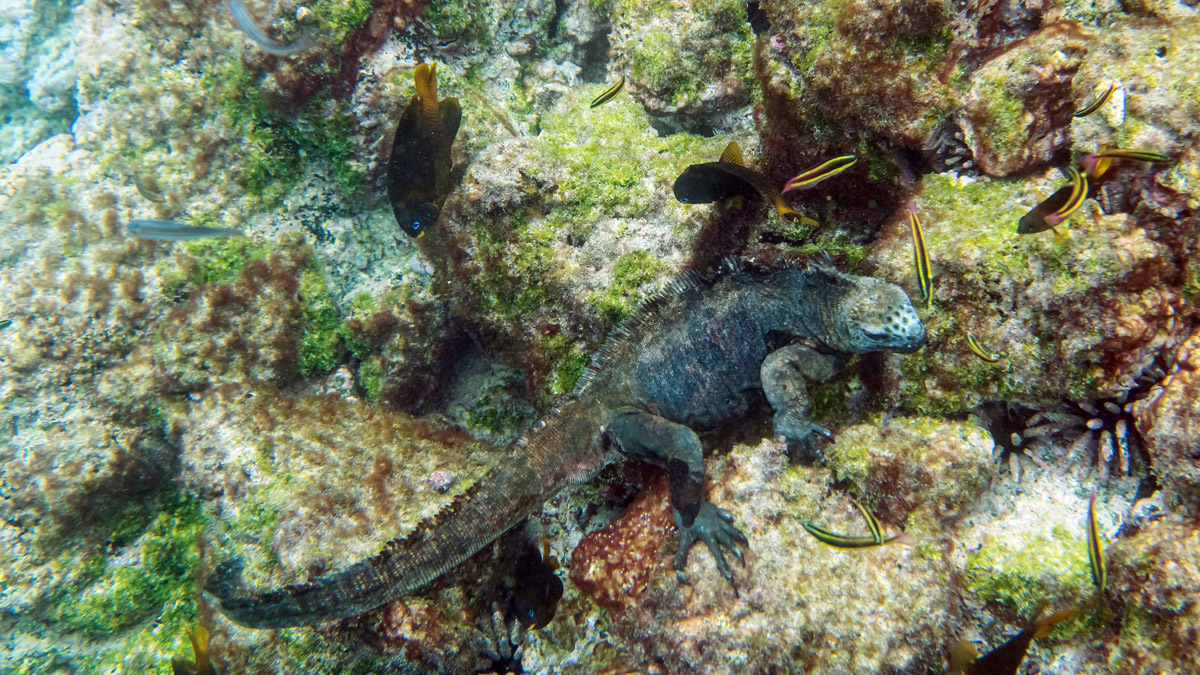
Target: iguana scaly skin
(694, 357)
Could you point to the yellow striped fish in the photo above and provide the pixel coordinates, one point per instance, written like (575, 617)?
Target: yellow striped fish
(839, 540)
(872, 522)
(1079, 190)
(609, 93)
(1096, 105)
(1095, 548)
(978, 350)
(920, 256)
(817, 174)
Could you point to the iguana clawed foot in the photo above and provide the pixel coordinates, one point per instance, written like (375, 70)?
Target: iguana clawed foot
(714, 526)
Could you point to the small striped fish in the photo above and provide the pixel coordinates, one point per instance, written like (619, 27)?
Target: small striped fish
(1096, 548)
(920, 256)
(610, 93)
(817, 174)
(170, 230)
(1096, 105)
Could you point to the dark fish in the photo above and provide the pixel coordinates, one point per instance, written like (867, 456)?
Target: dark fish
(1094, 106)
(203, 664)
(538, 588)
(170, 230)
(149, 193)
(610, 93)
(921, 256)
(1057, 207)
(418, 174)
(1007, 658)
(1096, 548)
(725, 179)
(978, 350)
(1095, 165)
(817, 174)
(5, 323)
(241, 18)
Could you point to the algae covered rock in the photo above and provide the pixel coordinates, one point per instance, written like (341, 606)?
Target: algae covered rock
(1074, 318)
(1155, 577)
(304, 486)
(913, 468)
(1019, 107)
(684, 58)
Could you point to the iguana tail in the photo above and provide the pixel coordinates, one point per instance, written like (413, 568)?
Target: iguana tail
(549, 458)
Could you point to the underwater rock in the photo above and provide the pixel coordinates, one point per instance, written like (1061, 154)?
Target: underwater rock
(874, 67)
(1155, 578)
(704, 69)
(1169, 421)
(798, 601)
(1021, 549)
(1018, 110)
(915, 469)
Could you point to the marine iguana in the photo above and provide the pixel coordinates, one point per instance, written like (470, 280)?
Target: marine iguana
(692, 358)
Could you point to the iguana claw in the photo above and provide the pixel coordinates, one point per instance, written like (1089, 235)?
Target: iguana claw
(714, 526)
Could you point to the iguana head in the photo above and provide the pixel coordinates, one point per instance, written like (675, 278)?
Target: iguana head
(873, 315)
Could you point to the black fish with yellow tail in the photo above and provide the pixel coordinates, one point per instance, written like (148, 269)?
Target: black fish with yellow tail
(727, 179)
(538, 587)
(418, 174)
(1005, 659)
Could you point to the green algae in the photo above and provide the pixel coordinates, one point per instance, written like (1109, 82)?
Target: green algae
(1038, 568)
(570, 359)
(631, 272)
(370, 377)
(218, 261)
(278, 148)
(159, 582)
(338, 18)
(460, 20)
(321, 326)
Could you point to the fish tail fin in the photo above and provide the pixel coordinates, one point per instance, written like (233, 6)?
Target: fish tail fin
(1043, 627)
(904, 539)
(199, 638)
(425, 77)
(782, 207)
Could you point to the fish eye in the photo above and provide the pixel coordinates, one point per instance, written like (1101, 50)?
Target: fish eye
(416, 224)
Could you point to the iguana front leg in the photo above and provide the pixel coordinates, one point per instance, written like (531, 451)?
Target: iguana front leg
(783, 375)
(659, 441)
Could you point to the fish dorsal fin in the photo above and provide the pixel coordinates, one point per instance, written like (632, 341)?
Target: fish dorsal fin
(733, 154)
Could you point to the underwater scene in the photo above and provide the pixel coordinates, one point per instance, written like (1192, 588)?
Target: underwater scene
(602, 337)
